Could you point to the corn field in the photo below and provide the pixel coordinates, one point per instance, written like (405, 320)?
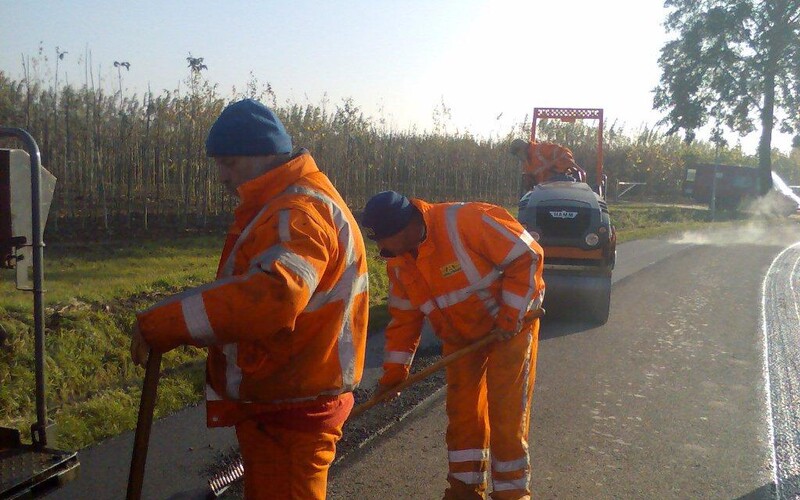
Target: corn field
(128, 161)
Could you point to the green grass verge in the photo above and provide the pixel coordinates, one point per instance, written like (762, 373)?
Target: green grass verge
(93, 291)
(93, 388)
(638, 221)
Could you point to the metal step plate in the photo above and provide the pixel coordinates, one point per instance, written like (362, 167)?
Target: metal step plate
(27, 470)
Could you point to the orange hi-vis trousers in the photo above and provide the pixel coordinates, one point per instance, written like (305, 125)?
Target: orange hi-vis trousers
(282, 463)
(488, 407)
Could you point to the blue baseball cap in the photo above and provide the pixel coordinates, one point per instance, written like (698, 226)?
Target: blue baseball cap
(247, 128)
(386, 214)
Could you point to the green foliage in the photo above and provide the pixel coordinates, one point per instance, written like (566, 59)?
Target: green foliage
(657, 159)
(730, 60)
(94, 272)
(113, 412)
(638, 221)
(91, 383)
(93, 292)
(378, 289)
(128, 162)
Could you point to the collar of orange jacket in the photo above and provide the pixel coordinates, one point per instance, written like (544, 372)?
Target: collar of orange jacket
(255, 193)
(426, 245)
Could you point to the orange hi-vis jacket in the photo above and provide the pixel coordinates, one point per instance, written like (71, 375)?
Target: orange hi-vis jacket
(285, 321)
(546, 159)
(476, 269)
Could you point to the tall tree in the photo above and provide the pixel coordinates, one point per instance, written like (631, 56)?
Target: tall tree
(193, 155)
(196, 64)
(119, 65)
(732, 61)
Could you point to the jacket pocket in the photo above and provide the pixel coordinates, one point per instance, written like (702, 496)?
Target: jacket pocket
(260, 358)
(470, 317)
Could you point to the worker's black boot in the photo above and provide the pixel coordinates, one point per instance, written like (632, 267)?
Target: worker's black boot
(462, 491)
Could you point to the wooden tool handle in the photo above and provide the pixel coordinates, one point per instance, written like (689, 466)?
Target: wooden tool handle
(144, 423)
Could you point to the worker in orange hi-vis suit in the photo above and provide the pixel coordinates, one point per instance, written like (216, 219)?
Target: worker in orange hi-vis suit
(544, 161)
(285, 320)
(473, 271)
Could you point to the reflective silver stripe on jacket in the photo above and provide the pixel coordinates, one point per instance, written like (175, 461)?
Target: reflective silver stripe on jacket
(537, 302)
(339, 219)
(352, 283)
(453, 298)
(528, 296)
(348, 284)
(521, 245)
(471, 272)
(427, 307)
(211, 394)
(230, 262)
(516, 301)
(398, 303)
(283, 226)
(292, 261)
(451, 217)
(233, 373)
(194, 311)
(196, 318)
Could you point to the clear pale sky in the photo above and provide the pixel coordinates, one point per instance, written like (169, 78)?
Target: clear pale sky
(397, 59)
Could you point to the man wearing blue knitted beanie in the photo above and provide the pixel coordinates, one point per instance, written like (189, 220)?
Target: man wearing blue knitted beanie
(285, 321)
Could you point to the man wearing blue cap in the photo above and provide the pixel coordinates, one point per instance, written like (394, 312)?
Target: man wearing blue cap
(285, 320)
(472, 270)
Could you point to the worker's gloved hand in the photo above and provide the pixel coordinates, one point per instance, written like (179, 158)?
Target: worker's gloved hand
(503, 334)
(385, 389)
(140, 349)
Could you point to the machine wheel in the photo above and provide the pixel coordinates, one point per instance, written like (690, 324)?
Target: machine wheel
(599, 306)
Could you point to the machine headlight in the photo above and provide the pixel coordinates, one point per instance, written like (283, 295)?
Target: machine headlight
(592, 239)
(535, 235)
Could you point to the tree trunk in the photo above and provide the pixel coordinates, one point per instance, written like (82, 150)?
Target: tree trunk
(765, 143)
(65, 180)
(146, 157)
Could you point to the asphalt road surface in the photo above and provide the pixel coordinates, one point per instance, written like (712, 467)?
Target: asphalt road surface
(687, 392)
(670, 399)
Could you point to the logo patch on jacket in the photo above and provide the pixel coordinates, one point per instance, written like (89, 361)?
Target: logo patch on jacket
(450, 269)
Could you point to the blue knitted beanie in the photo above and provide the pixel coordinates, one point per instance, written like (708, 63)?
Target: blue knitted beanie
(247, 128)
(386, 214)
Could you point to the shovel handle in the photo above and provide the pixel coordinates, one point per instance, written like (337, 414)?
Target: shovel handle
(144, 423)
(422, 374)
(426, 372)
